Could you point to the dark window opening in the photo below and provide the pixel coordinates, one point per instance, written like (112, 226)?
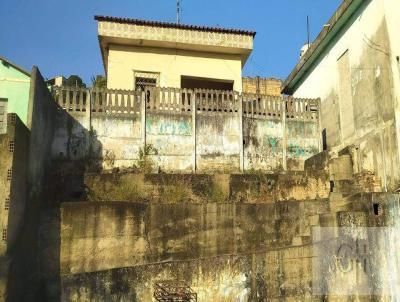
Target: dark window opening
(331, 185)
(324, 141)
(141, 83)
(377, 209)
(205, 83)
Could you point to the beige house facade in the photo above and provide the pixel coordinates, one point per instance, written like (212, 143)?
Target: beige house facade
(138, 53)
(353, 66)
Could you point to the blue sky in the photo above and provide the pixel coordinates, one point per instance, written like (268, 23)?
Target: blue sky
(60, 36)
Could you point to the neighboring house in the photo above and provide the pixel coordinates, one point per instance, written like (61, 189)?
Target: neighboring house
(266, 86)
(14, 91)
(56, 81)
(139, 53)
(354, 67)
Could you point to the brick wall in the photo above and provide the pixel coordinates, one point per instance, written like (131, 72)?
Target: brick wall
(268, 86)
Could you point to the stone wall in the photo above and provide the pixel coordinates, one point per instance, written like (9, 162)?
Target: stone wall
(185, 131)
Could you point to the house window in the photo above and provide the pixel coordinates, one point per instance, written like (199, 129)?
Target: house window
(145, 80)
(9, 174)
(7, 204)
(4, 235)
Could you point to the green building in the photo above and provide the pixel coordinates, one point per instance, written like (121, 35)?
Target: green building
(14, 92)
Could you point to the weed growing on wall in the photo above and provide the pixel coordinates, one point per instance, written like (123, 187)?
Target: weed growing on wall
(145, 163)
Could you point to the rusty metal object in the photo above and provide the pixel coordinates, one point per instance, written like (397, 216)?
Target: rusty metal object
(174, 291)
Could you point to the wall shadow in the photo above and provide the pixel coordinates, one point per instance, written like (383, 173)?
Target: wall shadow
(34, 272)
(65, 183)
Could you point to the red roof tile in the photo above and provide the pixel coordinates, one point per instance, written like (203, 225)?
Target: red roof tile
(174, 25)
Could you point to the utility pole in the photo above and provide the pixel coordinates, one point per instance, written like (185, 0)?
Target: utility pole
(178, 11)
(308, 32)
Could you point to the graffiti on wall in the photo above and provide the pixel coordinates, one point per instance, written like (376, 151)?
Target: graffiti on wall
(158, 125)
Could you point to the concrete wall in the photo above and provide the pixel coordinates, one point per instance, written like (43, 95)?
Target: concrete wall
(14, 147)
(172, 137)
(357, 79)
(183, 130)
(29, 166)
(98, 237)
(190, 229)
(218, 142)
(14, 86)
(171, 64)
(264, 144)
(247, 239)
(41, 122)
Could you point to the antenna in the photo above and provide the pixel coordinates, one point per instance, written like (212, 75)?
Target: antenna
(308, 32)
(178, 11)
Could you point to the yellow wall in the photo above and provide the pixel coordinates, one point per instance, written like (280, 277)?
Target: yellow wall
(171, 64)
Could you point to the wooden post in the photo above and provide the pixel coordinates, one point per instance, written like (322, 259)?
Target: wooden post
(241, 146)
(284, 135)
(194, 112)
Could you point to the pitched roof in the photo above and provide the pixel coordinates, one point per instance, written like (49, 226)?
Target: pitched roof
(15, 66)
(174, 25)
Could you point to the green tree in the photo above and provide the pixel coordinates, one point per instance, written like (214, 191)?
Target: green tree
(99, 81)
(75, 81)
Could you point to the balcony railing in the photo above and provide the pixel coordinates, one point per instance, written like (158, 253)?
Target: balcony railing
(177, 101)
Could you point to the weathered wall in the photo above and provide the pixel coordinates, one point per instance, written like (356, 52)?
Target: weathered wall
(230, 237)
(17, 146)
(13, 179)
(71, 135)
(41, 123)
(218, 142)
(200, 188)
(264, 144)
(171, 135)
(357, 80)
(31, 162)
(101, 236)
(302, 142)
(116, 139)
(184, 130)
(276, 275)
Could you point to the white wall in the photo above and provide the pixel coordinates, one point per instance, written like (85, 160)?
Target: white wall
(370, 118)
